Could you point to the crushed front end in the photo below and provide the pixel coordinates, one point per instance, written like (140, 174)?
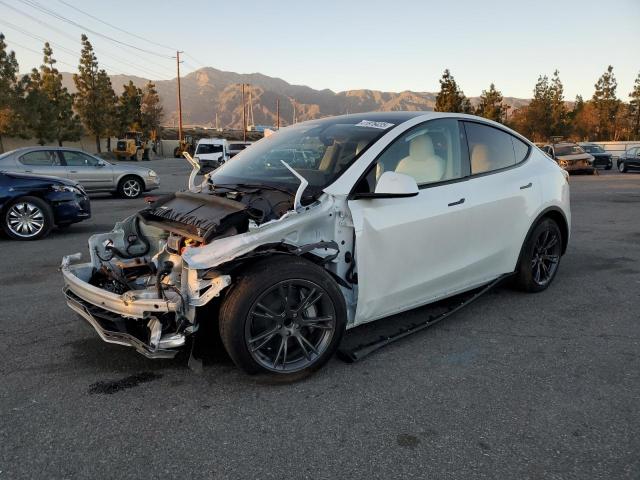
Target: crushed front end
(137, 290)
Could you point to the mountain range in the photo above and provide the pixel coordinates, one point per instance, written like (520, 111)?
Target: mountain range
(208, 92)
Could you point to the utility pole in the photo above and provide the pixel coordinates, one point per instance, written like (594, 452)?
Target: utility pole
(244, 118)
(278, 113)
(179, 98)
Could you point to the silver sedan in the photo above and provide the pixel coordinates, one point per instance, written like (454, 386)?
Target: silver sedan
(93, 173)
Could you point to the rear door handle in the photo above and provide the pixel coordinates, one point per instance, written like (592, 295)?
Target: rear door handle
(73, 171)
(459, 202)
(528, 185)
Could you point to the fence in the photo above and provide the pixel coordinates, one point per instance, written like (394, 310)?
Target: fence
(86, 143)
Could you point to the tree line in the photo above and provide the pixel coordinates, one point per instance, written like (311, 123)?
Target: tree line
(602, 117)
(38, 106)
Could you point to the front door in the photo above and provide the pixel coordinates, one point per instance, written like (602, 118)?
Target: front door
(411, 251)
(87, 170)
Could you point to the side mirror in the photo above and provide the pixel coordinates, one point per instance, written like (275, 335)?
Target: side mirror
(101, 163)
(393, 185)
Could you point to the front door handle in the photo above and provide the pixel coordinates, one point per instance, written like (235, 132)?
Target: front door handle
(459, 202)
(73, 171)
(528, 185)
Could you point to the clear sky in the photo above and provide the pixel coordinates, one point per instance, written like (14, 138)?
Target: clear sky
(389, 45)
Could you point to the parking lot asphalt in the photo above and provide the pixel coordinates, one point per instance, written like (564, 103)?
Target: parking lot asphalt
(513, 386)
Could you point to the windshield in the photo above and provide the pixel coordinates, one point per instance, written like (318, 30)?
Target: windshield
(593, 149)
(319, 151)
(206, 148)
(569, 150)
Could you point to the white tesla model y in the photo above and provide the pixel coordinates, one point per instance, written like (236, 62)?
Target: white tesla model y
(323, 226)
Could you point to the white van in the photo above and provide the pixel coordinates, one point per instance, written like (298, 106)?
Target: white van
(211, 152)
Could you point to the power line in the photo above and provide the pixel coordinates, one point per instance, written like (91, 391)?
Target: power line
(101, 50)
(114, 26)
(39, 7)
(202, 64)
(77, 53)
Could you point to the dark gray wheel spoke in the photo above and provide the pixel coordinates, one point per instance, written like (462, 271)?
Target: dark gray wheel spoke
(310, 300)
(268, 313)
(263, 339)
(306, 342)
(280, 349)
(303, 348)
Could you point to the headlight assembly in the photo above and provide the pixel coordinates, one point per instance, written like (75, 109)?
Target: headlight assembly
(67, 188)
(152, 173)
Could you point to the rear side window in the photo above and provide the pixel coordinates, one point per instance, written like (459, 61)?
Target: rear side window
(493, 149)
(42, 158)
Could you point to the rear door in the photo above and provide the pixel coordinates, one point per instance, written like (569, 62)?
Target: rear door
(504, 194)
(41, 162)
(410, 251)
(88, 170)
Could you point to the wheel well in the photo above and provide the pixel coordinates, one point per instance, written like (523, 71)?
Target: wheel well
(131, 175)
(561, 221)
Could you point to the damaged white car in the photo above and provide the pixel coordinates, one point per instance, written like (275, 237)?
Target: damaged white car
(375, 214)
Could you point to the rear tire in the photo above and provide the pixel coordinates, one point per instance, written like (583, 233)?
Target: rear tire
(540, 257)
(27, 218)
(284, 317)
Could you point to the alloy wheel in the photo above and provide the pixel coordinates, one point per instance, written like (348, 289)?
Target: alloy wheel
(131, 188)
(25, 220)
(621, 167)
(546, 256)
(290, 326)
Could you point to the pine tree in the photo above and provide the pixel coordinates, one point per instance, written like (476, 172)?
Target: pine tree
(49, 105)
(129, 108)
(9, 91)
(491, 105)
(606, 104)
(151, 110)
(451, 98)
(538, 112)
(634, 110)
(94, 99)
(558, 112)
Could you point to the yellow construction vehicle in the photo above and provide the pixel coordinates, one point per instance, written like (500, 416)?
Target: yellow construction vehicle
(132, 147)
(187, 144)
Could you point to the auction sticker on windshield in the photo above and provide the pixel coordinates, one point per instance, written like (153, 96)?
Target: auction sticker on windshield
(370, 124)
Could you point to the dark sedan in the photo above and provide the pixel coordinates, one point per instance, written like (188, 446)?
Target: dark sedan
(30, 205)
(629, 160)
(601, 158)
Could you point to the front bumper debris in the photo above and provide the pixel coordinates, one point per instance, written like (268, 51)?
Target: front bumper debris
(113, 328)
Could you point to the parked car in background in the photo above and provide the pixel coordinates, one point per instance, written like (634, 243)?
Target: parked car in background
(571, 157)
(93, 173)
(601, 158)
(31, 205)
(402, 210)
(211, 153)
(236, 147)
(629, 160)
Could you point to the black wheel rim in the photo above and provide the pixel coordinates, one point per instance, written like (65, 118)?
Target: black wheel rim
(290, 326)
(546, 256)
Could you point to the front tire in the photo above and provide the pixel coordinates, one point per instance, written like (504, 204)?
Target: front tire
(130, 187)
(284, 317)
(622, 168)
(540, 257)
(28, 218)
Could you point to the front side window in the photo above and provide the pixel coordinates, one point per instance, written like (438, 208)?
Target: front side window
(79, 159)
(41, 158)
(493, 149)
(430, 153)
(318, 150)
